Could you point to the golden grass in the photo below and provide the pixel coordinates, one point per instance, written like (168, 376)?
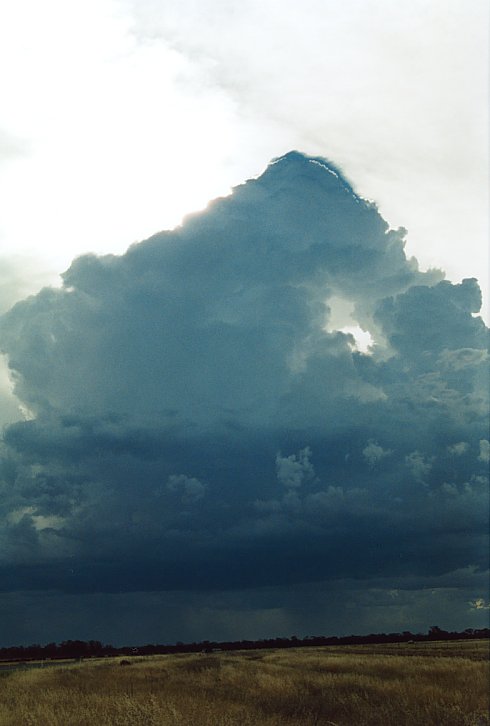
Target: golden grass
(386, 685)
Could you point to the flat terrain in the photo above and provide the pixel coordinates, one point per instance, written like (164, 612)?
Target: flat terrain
(421, 684)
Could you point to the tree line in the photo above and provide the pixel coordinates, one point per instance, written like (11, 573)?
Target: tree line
(96, 649)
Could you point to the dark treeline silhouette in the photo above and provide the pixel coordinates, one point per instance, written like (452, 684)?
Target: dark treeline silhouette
(94, 648)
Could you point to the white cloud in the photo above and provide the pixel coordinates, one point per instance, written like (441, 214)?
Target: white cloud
(122, 139)
(176, 101)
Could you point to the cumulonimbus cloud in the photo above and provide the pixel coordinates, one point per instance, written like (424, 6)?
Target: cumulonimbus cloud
(163, 383)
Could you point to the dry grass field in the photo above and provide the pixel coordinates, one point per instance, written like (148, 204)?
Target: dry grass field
(426, 684)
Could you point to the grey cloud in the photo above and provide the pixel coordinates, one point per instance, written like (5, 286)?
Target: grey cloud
(458, 449)
(196, 423)
(484, 454)
(311, 609)
(191, 489)
(441, 317)
(419, 465)
(254, 290)
(294, 470)
(374, 453)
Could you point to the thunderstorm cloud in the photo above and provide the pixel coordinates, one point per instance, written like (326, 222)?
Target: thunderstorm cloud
(195, 421)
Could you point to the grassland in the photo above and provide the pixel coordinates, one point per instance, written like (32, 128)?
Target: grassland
(426, 684)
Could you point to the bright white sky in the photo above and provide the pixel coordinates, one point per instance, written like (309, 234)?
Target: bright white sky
(119, 116)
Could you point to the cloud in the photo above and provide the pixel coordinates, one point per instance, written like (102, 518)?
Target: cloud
(19, 277)
(11, 147)
(191, 489)
(198, 424)
(458, 449)
(314, 609)
(479, 604)
(293, 471)
(418, 465)
(484, 454)
(374, 453)
(311, 62)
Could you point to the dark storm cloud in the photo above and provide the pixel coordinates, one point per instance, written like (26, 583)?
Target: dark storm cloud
(194, 425)
(314, 608)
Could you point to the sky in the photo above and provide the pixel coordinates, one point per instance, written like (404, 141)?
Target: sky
(273, 419)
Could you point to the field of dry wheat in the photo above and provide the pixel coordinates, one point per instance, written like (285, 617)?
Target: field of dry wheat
(426, 684)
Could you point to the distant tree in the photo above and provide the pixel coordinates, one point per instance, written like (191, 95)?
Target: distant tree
(436, 633)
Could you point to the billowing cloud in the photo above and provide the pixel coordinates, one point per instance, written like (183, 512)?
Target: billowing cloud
(190, 489)
(293, 471)
(484, 454)
(197, 424)
(419, 465)
(374, 453)
(458, 449)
